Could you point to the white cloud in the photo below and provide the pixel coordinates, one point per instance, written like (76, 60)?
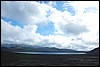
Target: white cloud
(32, 13)
(79, 6)
(18, 34)
(81, 22)
(23, 11)
(52, 3)
(28, 35)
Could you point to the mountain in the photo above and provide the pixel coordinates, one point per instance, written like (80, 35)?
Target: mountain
(30, 48)
(94, 52)
(16, 47)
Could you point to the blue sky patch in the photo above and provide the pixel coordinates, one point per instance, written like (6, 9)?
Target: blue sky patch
(46, 29)
(71, 10)
(12, 22)
(59, 6)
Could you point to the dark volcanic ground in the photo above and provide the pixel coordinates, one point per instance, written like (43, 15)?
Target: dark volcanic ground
(14, 59)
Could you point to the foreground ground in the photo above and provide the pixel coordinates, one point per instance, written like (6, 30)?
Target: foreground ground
(13, 59)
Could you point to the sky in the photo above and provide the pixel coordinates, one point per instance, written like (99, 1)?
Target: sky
(60, 24)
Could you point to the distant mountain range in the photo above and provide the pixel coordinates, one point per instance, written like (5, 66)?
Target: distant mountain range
(30, 48)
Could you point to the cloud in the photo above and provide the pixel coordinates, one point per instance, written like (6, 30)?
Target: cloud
(18, 34)
(79, 32)
(52, 3)
(73, 29)
(80, 9)
(23, 11)
(28, 35)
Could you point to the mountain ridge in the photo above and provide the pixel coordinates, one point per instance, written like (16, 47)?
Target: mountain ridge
(94, 51)
(30, 48)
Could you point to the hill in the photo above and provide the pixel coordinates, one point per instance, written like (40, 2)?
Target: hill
(94, 52)
(30, 48)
